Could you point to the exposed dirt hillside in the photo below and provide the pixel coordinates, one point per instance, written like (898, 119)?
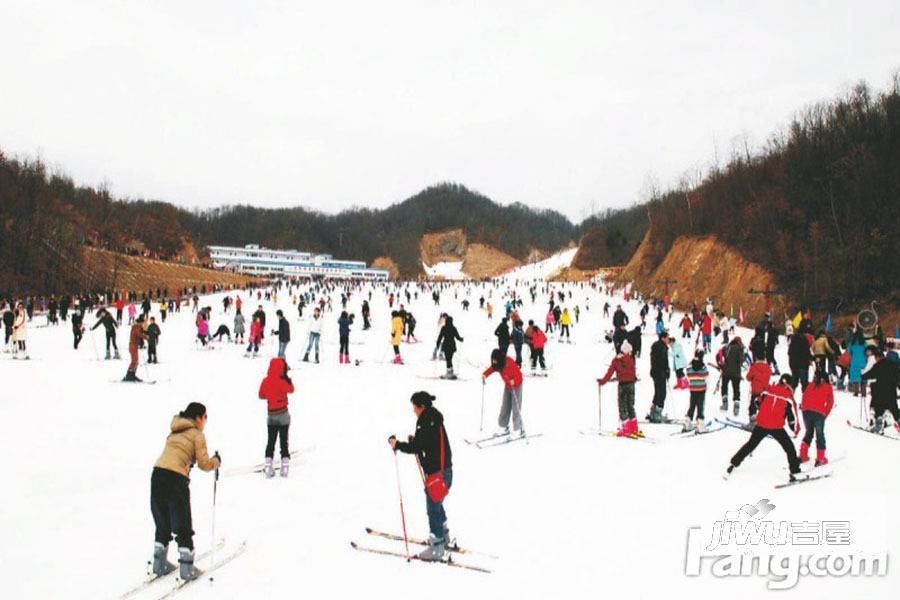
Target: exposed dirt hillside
(484, 261)
(133, 273)
(443, 246)
(701, 267)
(385, 262)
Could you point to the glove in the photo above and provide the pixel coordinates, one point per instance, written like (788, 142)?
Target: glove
(288, 379)
(217, 457)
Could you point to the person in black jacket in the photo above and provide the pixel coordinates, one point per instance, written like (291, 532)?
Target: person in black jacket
(659, 372)
(109, 324)
(731, 374)
(771, 342)
(77, 327)
(446, 341)
(502, 334)
(431, 445)
(283, 333)
(886, 377)
(620, 319)
(799, 357)
(153, 333)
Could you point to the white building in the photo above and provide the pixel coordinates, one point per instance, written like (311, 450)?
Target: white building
(252, 259)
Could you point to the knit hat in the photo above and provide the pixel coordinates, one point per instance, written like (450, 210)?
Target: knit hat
(626, 348)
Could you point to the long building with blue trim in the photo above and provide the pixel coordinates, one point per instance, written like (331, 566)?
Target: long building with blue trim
(255, 260)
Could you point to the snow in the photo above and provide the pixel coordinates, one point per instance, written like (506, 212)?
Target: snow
(543, 269)
(448, 270)
(570, 516)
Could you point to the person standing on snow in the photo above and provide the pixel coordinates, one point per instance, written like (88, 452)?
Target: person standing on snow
(170, 496)
(134, 340)
(283, 332)
(659, 372)
(731, 374)
(565, 321)
(538, 341)
(502, 335)
(697, 375)
(776, 406)
(818, 400)
(517, 336)
(153, 332)
(624, 369)
(238, 326)
(431, 445)
(396, 335)
(77, 326)
(446, 341)
(679, 362)
(344, 323)
(109, 324)
(886, 376)
(274, 389)
(20, 330)
(799, 357)
(759, 376)
(315, 333)
(511, 404)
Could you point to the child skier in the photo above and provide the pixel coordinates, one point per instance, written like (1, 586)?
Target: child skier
(512, 392)
(624, 369)
(274, 389)
(697, 376)
(153, 334)
(818, 400)
(255, 337)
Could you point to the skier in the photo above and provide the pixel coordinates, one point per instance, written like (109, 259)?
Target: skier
(20, 331)
(170, 497)
(344, 323)
(502, 335)
(679, 362)
(512, 392)
(697, 375)
(315, 332)
(731, 374)
(565, 321)
(283, 332)
(274, 389)
(517, 336)
(886, 377)
(776, 406)
(77, 326)
(759, 376)
(238, 326)
(818, 400)
(624, 369)
(153, 332)
(771, 342)
(255, 337)
(431, 445)
(109, 324)
(134, 339)
(659, 372)
(446, 341)
(9, 318)
(396, 335)
(538, 341)
(202, 327)
(706, 331)
(410, 322)
(822, 349)
(365, 315)
(799, 357)
(686, 326)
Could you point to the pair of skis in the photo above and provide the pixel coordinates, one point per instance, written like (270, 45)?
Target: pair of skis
(879, 434)
(181, 584)
(448, 561)
(259, 467)
(500, 440)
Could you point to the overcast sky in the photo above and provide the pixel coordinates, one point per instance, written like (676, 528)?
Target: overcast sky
(333, 104)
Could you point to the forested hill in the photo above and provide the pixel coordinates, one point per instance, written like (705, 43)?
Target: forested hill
(393, 232)
(45, 218)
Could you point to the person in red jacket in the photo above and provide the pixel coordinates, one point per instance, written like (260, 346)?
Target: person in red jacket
(623, 368)
(776, 405)
(705, 332)
(818, 400)
(686, 326)
(274, 389)
(759, 375)
(512, 392)
(538, 341)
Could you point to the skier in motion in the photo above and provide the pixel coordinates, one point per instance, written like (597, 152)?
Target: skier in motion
(109, 324)
(512, 392)
(170, 497)
(446, 341)
(776, 406)
(431, 445)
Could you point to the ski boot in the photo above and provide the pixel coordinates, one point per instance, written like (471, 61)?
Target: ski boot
(186, 569)
(317, 358)
(268, 471)
(435, 549)
(736, 409)
(701, 426)
(449, 542)
(108, 356)
(688, 426)
(501, 432)
(821, 460)
(161, 566)
(116, 355)
(878, 426)
(724, 407)
(450, 374)
(633, 430)
(285, 465)
(131, 377)
(306, 357)
(804, 452)
(729, 470)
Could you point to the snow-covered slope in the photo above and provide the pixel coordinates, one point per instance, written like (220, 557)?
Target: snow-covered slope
(542, 269)
(570, 516)
(448, 270)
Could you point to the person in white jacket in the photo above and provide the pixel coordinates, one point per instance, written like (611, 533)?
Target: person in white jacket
(315, 332)
(20, 328)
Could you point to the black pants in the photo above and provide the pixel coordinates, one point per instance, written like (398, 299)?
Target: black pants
(659, 390)
(757, 435)
(884, 402)
(695, 410)
(280, 432)
(448, 356)
(151, 351)
(537, 356)
(345, 344)
(735, 381)
(504, 348)
(518, 348)
(76, 333)
(564, 331)
(111, 339)
(799, 374)
(170, 503)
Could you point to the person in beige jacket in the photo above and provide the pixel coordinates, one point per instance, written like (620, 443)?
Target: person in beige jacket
(170, 496)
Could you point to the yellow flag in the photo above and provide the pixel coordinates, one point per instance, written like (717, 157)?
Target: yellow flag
(798, 319)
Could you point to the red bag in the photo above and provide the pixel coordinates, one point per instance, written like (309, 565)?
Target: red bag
(435, 486)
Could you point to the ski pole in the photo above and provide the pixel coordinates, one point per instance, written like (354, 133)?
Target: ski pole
(599, 409)
(402, 511)
(481, 426)
(515, 401)
(215, 490)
